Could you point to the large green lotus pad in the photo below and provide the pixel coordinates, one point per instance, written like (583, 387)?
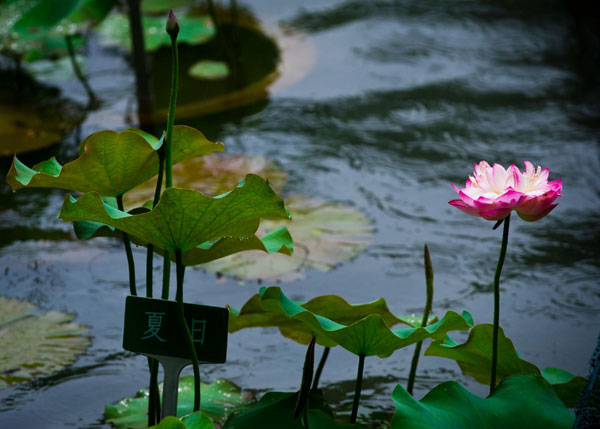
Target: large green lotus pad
(110, 163)
(33, 345)
(218, 400)
(474, 359)
(519, 402)
(185, 218)
(197, 420)
(369, 335)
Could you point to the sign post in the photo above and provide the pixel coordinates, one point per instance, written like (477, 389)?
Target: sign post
(152, 328)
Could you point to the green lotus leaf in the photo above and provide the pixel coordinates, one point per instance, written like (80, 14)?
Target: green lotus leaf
(474, 359)
(275, 410)
(185, 218)
(218, 400)
(171, 423)
(209, 70)
(197, 420)
(521, 401)
(194, 30)
(34, 345)
(111, 163)
(325, 234)
(158, 6)
(85, 15)
(369, 335)
(41, 15)
(212, 174)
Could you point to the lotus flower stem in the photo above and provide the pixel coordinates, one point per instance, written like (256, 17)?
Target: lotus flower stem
(153, 394)
(428, 305)
(127, 244)
(320, 367)
(173, 30)
(150, 251)
(497, 303)
(359, 379)
(186, 329)
(79, 74)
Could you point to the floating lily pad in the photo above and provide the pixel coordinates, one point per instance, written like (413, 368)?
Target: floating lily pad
(369, 335)
(184, 218)
(325, 234)
(158, 6)
(522, 401)
(474, 359)
(110, 163)
(34, 345)
(275, 410)
(114, 30)
(212, 174)
(197, 420)
(218, 400)
(209, 70)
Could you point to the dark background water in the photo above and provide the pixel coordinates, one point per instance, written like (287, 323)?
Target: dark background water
(402, 98)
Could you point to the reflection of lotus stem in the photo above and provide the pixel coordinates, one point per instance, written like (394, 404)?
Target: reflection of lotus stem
(324, 356)
(186, 329)
(497, 302)
(79, 74)
(127, 243)
(359, 379)
(428, 305)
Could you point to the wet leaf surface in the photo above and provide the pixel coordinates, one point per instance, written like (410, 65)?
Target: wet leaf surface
(110, 162)
(474, 359)
(218, 400)
(32, 345)
(184, 218)
(522, 401)
(367, 335)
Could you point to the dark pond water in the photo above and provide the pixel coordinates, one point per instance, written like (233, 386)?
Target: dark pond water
(401, 99)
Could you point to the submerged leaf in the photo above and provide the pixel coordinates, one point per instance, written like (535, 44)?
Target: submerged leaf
(218, 400)
(209, 70)
(325, 234)
(212, 174)
(34, 345)
(474, 359)
(365, 335)
(184, 218)
(194, 30)
(275, 410)
(110, 162)
(522, 401)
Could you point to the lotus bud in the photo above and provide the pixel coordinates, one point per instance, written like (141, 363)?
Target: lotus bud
(172, 25)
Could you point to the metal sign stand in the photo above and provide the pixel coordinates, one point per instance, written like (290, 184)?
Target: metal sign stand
(152, 328)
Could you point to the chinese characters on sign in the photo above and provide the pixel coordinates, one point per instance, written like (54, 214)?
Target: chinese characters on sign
(152, 327)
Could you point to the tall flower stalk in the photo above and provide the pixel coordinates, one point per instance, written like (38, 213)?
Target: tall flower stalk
(493, 192)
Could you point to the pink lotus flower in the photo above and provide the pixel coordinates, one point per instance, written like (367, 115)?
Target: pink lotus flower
(493, 192)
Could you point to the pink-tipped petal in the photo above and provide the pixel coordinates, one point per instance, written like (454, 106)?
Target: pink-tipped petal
(459, 204)
(537, 216)
(495, 214)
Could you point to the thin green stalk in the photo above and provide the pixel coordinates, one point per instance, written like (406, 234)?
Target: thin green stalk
(172, 104)
(153, 394)
(497, 302)
(150, 250)
(186, 329)
(320, 367)
(79, 74)
(426, 311)
(127, 244)
(359, 380)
